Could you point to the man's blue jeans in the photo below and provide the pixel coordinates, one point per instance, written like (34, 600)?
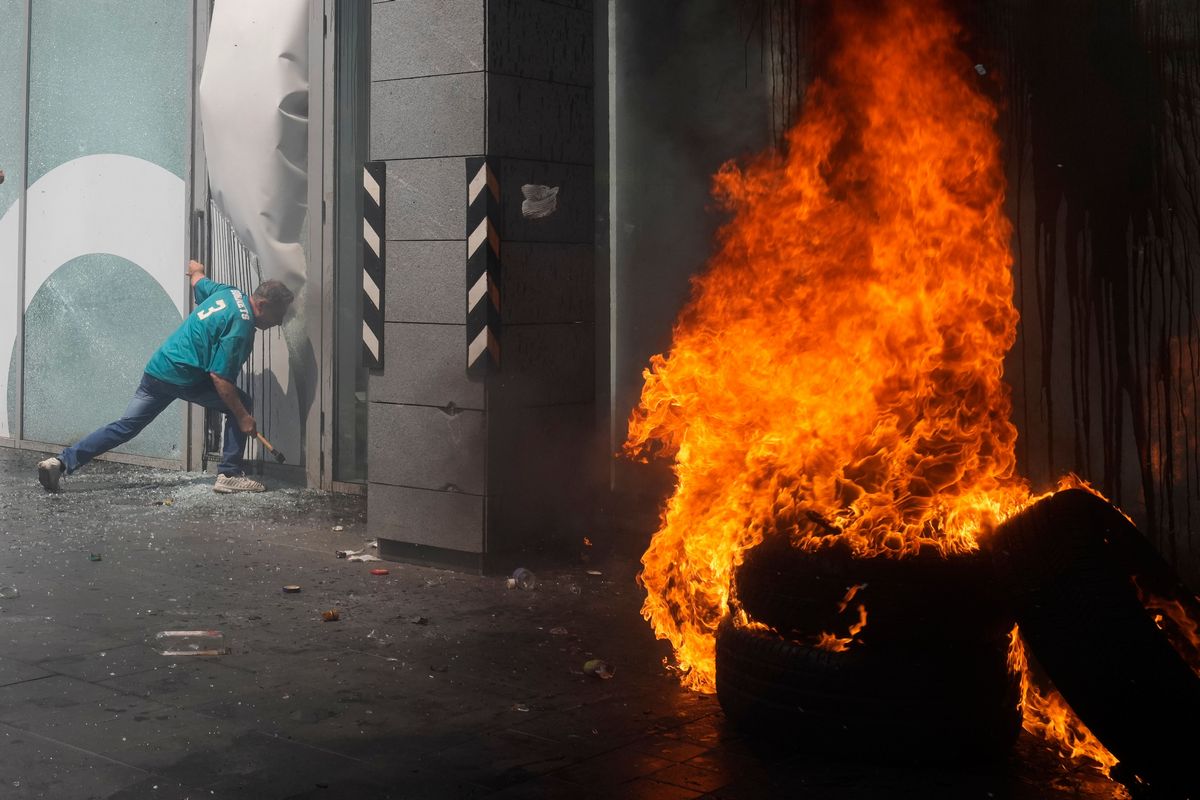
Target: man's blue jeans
(151, 397)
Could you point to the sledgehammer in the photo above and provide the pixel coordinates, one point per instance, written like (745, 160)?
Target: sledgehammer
(278, 455)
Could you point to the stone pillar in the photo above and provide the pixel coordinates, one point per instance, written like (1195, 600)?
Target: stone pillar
(465, 468)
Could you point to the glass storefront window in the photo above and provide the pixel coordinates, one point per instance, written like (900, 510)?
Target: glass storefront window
(12, 162)
(105, 222)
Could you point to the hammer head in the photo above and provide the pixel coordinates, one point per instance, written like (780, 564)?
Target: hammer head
(270, 447)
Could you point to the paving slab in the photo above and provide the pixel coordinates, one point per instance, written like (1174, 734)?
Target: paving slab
(33, 766)
(13, 671)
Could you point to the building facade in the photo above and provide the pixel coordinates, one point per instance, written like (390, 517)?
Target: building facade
(494, 211)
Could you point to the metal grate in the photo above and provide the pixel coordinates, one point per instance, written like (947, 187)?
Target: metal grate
(229, 261)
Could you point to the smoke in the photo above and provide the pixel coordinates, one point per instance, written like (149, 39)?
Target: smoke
(691, 92)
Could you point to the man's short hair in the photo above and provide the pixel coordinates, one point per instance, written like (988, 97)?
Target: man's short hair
(274, 294)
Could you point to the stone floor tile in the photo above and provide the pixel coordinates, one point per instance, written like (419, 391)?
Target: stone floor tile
(549, 788)
(12, 671)
(648, 789)
(34, 766)
(37, 640)
(184, 683)
(616, 767)
(253, 765)
(103, 665)
(695, 778)
(669, 748)
(27, 703)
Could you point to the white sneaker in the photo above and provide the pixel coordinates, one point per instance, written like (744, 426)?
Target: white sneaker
(50, 472)
(228, 484)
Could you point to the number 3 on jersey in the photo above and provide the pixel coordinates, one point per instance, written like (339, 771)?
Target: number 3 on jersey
(214, 308)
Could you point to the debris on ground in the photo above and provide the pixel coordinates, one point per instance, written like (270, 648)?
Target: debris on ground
(594, 572)
(522, 579)
(9, 593)
(598, 668)
(291, 588)
(332, 615)
(361, 554)
(190, 643)
(419, 620)
(379, 571)
(95, 557)
(338, 528)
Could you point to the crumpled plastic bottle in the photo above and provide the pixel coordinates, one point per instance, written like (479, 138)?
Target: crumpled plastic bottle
(598, 668)
(523, 579)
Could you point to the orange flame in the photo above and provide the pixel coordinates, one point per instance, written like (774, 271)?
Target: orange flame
(1045, 713)
(837, 373)
(1173, 619)
(840, 644)
(841, 358)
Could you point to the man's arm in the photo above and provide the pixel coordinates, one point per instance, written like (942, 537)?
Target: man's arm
(233, 401)
(195, 271)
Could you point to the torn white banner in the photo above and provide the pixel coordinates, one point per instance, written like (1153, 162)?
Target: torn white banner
(253, 101)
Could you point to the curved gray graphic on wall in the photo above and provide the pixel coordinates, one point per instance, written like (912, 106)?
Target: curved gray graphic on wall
(112, 204)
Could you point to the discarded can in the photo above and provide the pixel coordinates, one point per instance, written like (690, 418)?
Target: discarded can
(332, 615)
(523, 579)
(597, 669)
(379, 572)
(9, 592)
(190, 643)
(291, 588)
(95, 557)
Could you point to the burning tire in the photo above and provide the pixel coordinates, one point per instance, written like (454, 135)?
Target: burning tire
(919, 702)
(920, 598)
(1072, 565)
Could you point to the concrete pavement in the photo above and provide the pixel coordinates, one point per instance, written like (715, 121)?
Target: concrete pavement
(485, 698)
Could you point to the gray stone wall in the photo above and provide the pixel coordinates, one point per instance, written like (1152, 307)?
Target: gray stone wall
(491, 466)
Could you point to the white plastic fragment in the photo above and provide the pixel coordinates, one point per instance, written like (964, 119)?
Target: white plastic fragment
(540, 201)
(190, 643)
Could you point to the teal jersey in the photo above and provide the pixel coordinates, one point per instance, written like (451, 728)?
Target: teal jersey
(216, 337)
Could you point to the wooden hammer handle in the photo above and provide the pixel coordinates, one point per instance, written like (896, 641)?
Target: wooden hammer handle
(278, 455)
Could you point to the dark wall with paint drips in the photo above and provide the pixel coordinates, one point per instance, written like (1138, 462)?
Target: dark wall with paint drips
(1100, 106)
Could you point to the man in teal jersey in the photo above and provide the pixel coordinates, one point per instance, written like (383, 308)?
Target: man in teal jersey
(198, 363)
